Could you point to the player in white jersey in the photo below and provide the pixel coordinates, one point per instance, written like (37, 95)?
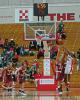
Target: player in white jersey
(68, 70)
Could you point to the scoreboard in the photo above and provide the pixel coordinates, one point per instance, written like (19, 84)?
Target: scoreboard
(40, 9)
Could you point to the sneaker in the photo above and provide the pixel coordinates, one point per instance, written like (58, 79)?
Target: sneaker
(21, 92)
(60, 93)
(24, 94)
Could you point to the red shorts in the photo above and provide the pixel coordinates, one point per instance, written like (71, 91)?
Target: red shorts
(21, 80)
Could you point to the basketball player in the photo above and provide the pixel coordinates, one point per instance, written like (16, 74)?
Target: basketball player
(7, 78)
(68, 70)
(21, 73)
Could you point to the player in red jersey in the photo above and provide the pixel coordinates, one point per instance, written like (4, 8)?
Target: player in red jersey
(7, 78)
(21, 73)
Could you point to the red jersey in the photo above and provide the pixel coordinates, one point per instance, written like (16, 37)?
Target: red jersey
(21, 75)
(8, 76)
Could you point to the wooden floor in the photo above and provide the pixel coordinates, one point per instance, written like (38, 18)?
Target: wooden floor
(73, 94)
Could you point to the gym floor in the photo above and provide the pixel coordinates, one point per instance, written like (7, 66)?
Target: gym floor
(31, 94)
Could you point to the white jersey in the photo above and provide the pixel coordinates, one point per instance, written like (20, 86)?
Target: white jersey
(68, 67)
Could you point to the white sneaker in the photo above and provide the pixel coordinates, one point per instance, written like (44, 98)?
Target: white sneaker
(60, 93)
(22, 93)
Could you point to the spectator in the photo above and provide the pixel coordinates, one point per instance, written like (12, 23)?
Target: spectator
(26, 50)
(31, 74)
(17, 49)
(1, 61)
(15, 58)
(6, 44)
(39, 44)
(11, 43)
(35, 66)
(32, 45)
(40, 53)
(22, 50)
(26, 62)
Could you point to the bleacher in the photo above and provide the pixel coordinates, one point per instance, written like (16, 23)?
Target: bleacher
(72, 41)
(15, 31)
